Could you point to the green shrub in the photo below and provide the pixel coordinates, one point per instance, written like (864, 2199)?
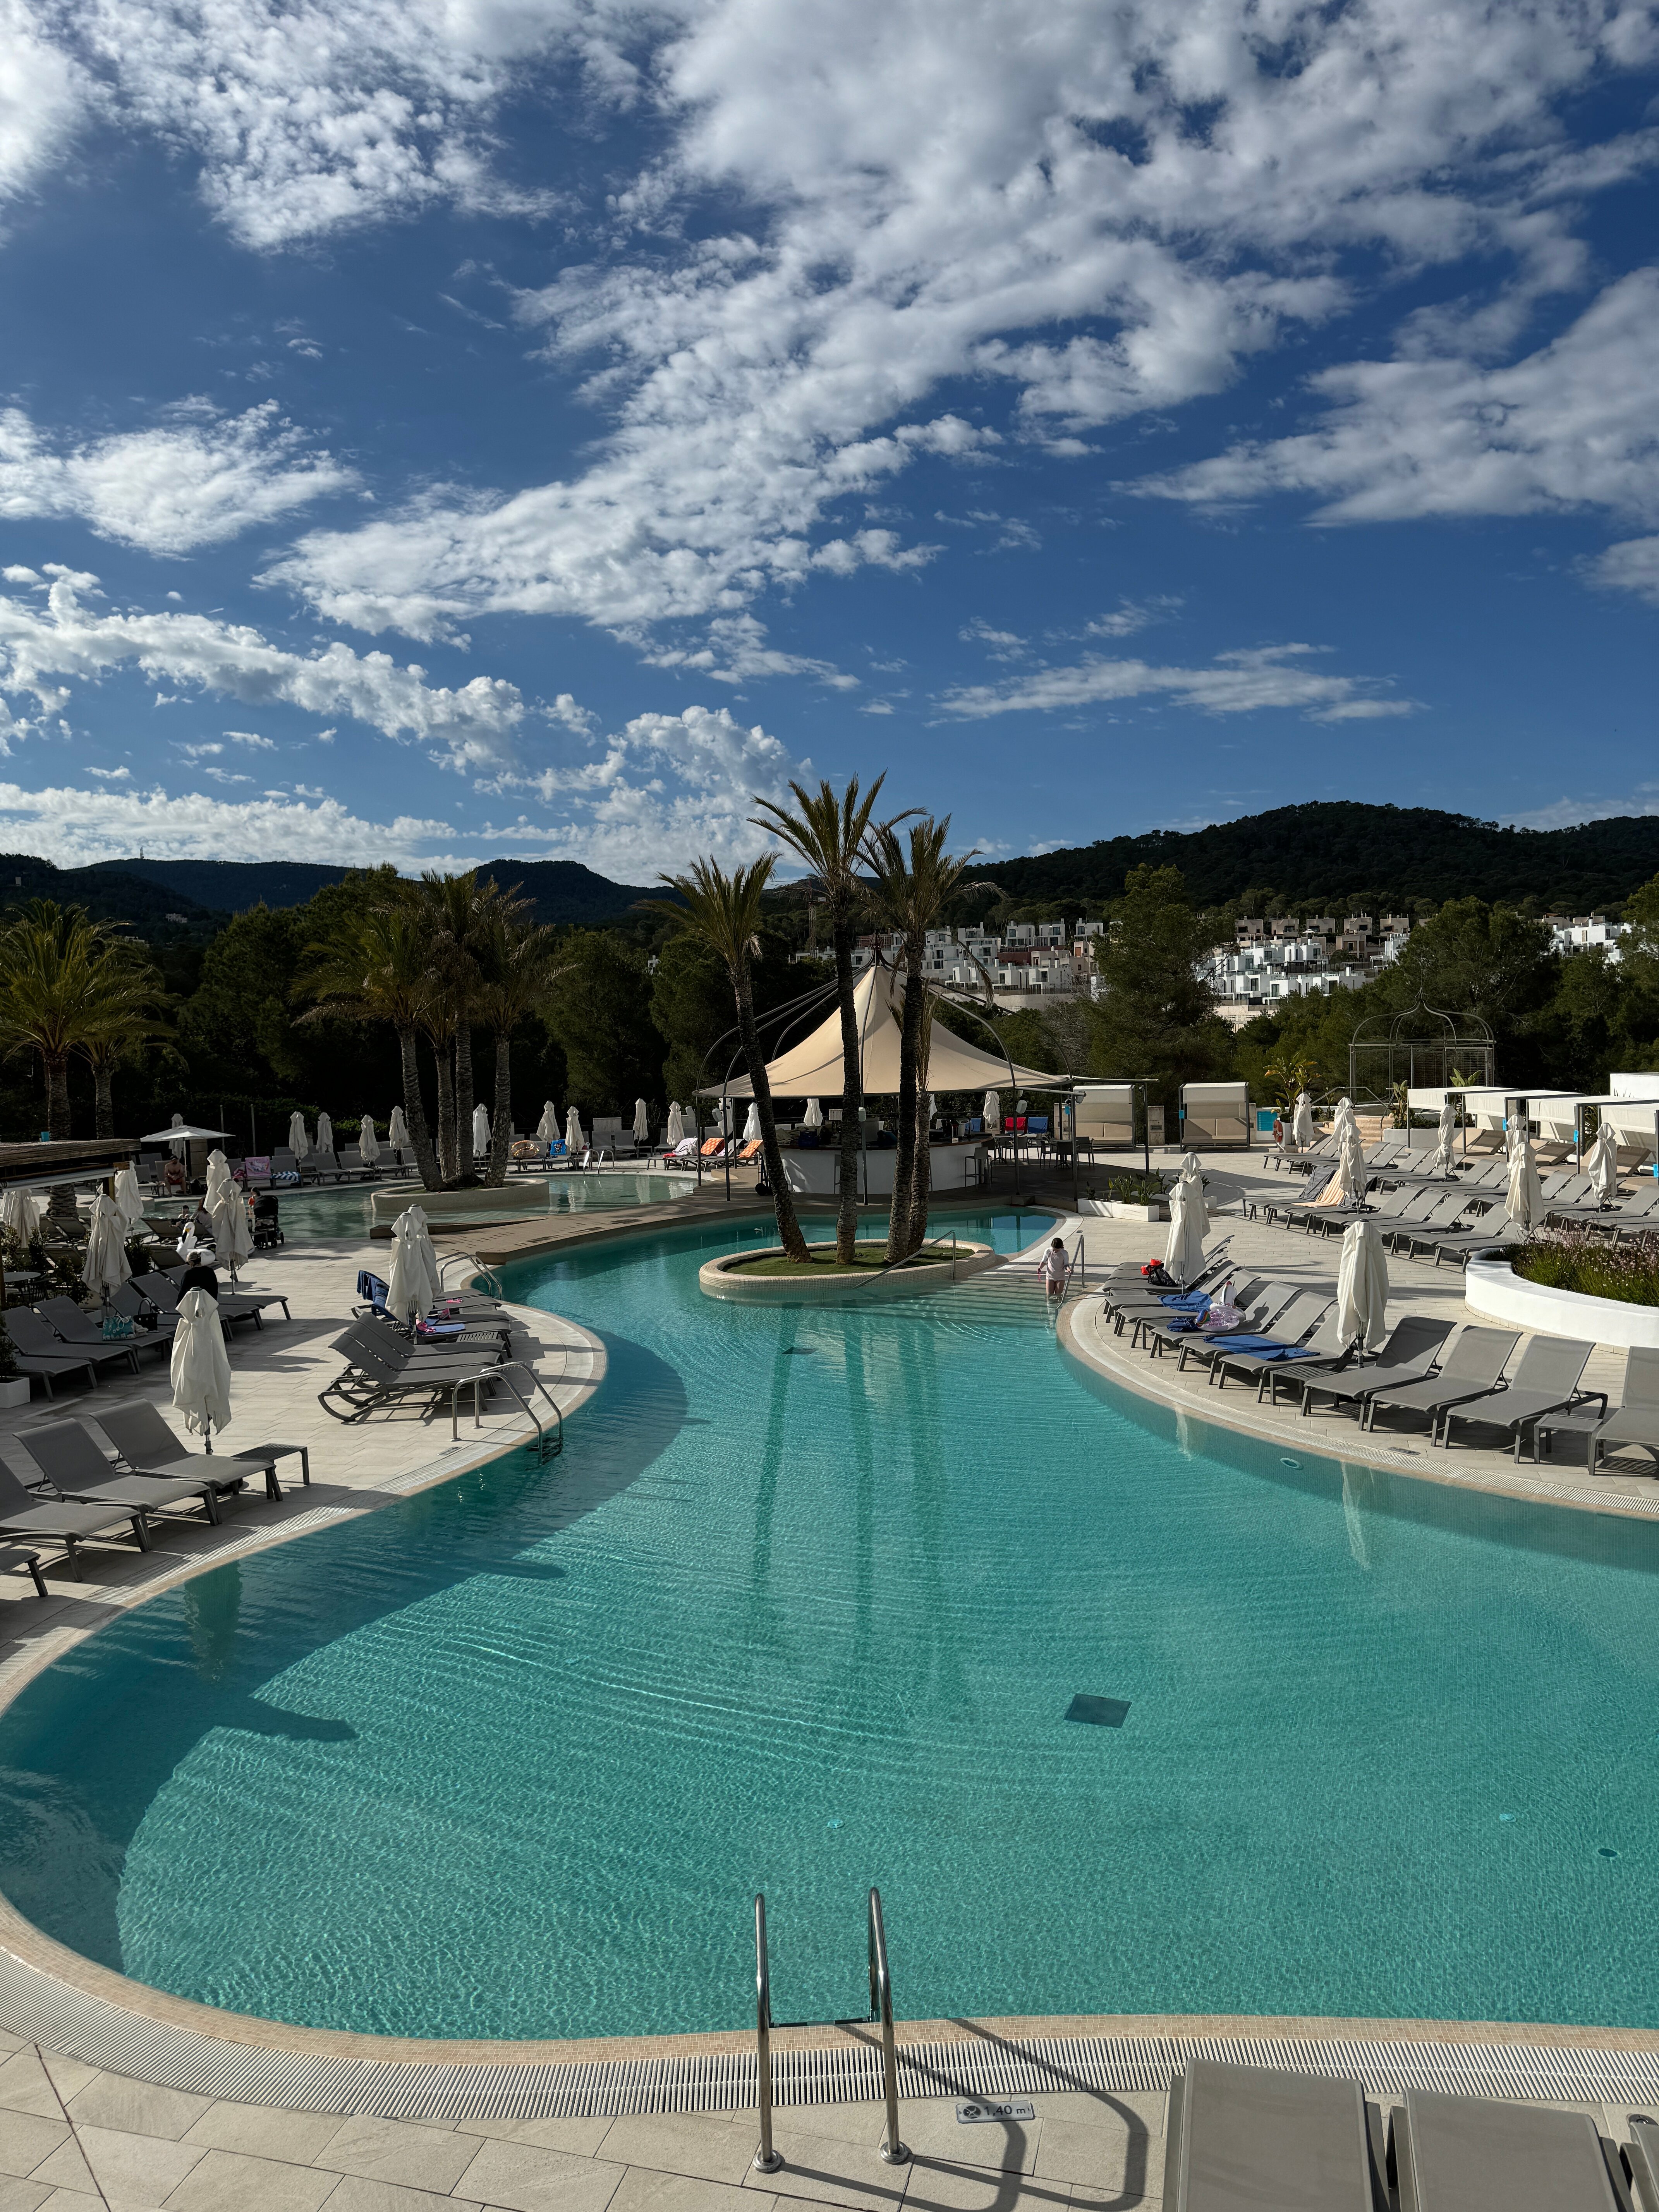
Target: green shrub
(1573, 1260)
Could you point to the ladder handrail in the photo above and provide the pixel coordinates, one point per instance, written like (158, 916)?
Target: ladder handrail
(893, 2150)
(766, 2159)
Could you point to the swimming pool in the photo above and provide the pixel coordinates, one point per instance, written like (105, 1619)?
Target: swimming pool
(805, 1606)
(313, 1217)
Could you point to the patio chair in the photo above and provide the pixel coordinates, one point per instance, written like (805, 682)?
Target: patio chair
(1272, 1300)
(1407, 1356)
(374, 1377)
(41, 1350)
(74, 1462)
(1633, 1215)
(139, 1436)
(1175, 1311)
(1252, 2138)
(1545, 1382)
(66, 1318)
(1463, 1245)
(1455, 1216)
(1309, 1323)
(14, 1555)
(1634, 1420)
(50, 1520)
(1471, 1369)
(1469, 2152)
(1326, 1350)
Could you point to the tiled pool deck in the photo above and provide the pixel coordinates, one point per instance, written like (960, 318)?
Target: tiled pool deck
(241, 2113)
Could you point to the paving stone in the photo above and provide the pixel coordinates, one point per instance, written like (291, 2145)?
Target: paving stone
(68, 2074)
(17, 2196)
(581, 2138)
(26, 2140)
(225, 2181)
(72, 2200)
(133, 2169)
(263, 2131)
(25, 2087)
(829, 2171)
(522, 2178)
(432, 2158)
(139, 2108)
(943, 2186)
(932, 2129)
(643, 2190)
(67, 2170)
(1095, 2157)
(1106, 2108)
(678, 2142)
(355, 2194)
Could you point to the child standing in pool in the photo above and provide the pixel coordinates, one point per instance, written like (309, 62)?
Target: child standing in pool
(1052, 1269)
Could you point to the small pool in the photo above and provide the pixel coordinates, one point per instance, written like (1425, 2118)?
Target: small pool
(808, 1604)
(315, 1216)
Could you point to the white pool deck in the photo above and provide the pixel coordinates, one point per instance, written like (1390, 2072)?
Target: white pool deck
(237, 2114)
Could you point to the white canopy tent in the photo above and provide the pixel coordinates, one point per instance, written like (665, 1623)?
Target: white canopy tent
(813, 1068)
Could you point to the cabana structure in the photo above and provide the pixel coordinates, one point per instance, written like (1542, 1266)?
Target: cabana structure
(1424, 1048)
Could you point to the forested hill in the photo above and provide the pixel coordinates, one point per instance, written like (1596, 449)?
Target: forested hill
(150, 894)
(1339, 854)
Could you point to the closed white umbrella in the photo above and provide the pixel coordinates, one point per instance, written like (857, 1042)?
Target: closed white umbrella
(1302, 1121)
(1525, 1203)
(1342, 1120)
(398, 1131)
(105, 1268)
(813, 1117)
(129, 1200)
(201, 1371)
(675, 1133)
(20, 1212)
(1183, 1255)
(298, 1142)
(369, 1144)
(480, 1130)
(1347, 1185)
(573, 1139)
(548, 1127)
(232, 1233)
(1192, 1185)
(641, 1121)
(1445, 1153)
(218, 1175)
(1362, 1285)
(179, 1146)
(408, 1292)
(325, 1134)
(725, 1117)
(751, 1127)
(420, 1237)
(1602, 1164)
(991, 1107)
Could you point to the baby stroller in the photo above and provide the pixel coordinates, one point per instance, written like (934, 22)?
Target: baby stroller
(267, 1226)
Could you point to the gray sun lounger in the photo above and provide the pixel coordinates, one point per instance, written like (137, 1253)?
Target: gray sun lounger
(1473, 1367)
(40, 1341)
(146, 1444)
(254, 1301)
(1634, 1421)
(1252, 2139)
(1545, 1382)
(1407, 1356)
(50, 1520)
(74, 1462)
(1154, 1322)
(1642, 2152)
(1481, 2154)
(1323, 1343)
(1262, 1318)
(77, 1328)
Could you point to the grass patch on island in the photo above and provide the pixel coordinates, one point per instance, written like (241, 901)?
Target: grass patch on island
(867, 1258)
(1573, 1260)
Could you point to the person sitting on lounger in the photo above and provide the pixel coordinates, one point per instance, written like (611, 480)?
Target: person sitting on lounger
(199, 1276)
(1052, 1269)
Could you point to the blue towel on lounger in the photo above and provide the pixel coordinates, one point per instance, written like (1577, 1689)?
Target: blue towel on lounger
(1246, 1343)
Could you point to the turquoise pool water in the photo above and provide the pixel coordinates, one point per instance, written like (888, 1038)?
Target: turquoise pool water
(315, 1217)
(804, 1606)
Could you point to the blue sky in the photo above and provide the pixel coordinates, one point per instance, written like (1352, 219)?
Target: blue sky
(534, 426)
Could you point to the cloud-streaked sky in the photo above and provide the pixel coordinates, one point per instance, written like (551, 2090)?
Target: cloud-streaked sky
(435, 428)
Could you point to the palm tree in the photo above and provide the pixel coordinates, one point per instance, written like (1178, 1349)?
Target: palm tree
(124, 995)
(912, 893)
(516, 967)
(377, 968)
(48, 955)
(828, 832)
(459, 911)
(724, 911)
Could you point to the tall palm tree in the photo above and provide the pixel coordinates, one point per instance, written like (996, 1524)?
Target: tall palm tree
(377, 967)
(724, 911)
(828, 832)
(912, 892)
(458, 910)
(515, 966)
(124, 996)
(48, 957)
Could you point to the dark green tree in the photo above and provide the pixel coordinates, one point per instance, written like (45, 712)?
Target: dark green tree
(1157, 1018)
(599, 1007)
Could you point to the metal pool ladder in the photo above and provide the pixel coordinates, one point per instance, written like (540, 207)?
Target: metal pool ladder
(893, 2150)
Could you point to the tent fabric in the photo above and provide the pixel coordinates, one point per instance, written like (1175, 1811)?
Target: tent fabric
(813, 1068)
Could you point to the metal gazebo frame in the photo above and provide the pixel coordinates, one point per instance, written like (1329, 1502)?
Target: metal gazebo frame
(1425, 1047)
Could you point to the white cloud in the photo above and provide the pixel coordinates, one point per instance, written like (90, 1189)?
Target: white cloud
(1570, 426)
(254, 743)
(42, 92)
(737, 649)
(75, 827)
(1132, 615)
(1243, 683)
(109, 774)
(470, 727)
(663, 790)
(196, 478)
(1125, 205)
(200, 752)
(1630, 566)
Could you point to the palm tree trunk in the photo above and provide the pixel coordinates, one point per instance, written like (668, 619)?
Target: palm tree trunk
(783, 1201)
(851, 1099)
(463, 1160)
(901, 1239)
(61, 1206)
(446, 1060)
(414, 1111)
(104, 1107)
(921, 1167)
(501, 1133)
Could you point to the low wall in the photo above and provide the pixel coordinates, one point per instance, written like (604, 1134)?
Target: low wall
(814, 1173)
(1492, 1289)
(730, 1279)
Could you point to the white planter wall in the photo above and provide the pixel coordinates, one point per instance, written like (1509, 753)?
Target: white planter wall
(1492, 1289)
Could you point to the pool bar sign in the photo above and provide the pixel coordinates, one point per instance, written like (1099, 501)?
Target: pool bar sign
(982, 2109)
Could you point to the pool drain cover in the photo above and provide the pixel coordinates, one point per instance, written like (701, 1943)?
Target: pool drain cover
(1098, 1712)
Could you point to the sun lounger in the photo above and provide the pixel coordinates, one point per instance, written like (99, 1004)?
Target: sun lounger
(1259, 1315)
(50, 1520)
(1633, 1421)
(1326, 1351)
(37, 1341)
(1545, 1381)
(1176, 1311)
(1633, 1215)
(376, 1375)
(1463, 2153)
(1253, 2139)
(1297, 1329)
(1642, 2152)
(147, 1446)
(14, 1555)
(65, 1318)
(1471, 1369)
(1407, 1356)
(74, 1463)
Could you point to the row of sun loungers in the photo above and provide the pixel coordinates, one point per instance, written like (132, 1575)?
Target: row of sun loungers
(1433, 1220)
(1253, 2139)
(56, 1341)
(64, 1482)
(384, 1365)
